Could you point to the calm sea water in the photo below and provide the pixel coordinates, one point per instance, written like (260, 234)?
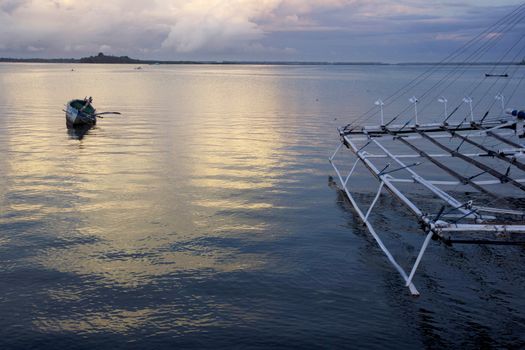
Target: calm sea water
(205, 217)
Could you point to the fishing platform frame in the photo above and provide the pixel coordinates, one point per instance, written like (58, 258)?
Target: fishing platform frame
(456, 215)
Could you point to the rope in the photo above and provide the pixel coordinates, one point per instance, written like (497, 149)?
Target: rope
(504, 25)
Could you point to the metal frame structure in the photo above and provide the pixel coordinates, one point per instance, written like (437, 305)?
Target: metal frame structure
(458, 216)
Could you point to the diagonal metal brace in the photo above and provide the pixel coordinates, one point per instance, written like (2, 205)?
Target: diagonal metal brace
(398, 169)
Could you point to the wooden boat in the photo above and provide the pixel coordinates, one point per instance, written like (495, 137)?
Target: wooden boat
(81, 112)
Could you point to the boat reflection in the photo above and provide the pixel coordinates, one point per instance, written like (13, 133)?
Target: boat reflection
(77, 132)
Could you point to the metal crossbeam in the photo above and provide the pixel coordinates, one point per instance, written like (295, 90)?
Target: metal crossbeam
(407, 128)
(461, 178)
(499, 137)
(502, 177)
(443, 195)
(503, 157)
(458, 210)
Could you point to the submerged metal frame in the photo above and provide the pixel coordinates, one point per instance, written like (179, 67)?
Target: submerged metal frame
(434, 225)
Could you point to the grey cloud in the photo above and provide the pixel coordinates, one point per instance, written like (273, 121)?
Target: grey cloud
(342, 30)
(9, 6)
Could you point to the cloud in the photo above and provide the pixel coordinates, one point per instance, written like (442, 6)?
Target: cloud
(211, 29)
(9, 6)
(214, 25)
(163, 25)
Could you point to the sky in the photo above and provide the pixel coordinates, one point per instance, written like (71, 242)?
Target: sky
(251, 30)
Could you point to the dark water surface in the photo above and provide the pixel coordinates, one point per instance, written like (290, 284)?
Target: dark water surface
(204, 217)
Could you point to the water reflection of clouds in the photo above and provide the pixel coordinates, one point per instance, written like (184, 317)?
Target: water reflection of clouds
(239, 149)
(122, 189)
(168, 191)
(115, 185)
(116, 321)
(134, 267)
(190, 315)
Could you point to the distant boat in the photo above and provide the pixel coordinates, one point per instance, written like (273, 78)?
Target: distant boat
(81, 112)
(497, 75)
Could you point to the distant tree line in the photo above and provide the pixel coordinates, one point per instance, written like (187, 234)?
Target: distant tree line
(101, 58)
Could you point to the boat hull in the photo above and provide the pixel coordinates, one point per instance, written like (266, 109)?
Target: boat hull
(77, 117)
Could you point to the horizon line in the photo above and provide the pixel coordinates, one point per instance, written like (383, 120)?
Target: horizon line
(247, 62)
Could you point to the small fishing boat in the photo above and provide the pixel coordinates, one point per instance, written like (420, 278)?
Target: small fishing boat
(81, 112)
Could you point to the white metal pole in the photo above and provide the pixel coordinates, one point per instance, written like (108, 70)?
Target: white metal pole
(380, 103)
(469, 101)
(382, 117)
(351, 171)
(415, 108)
(502, 99)
(444, 101)
(374, 203)
(413, 100)
(336, 150)
(419, 257)
(393, 261)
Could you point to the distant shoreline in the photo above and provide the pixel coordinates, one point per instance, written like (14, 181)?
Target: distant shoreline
(255, 63)
(104, 59)
(158, 62)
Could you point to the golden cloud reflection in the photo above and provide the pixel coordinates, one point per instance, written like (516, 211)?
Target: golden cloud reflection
(125, 321)
(134, 269)
(117, 321)
(135, 201)
(228, 184)
(242, 149)
(232, 204)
